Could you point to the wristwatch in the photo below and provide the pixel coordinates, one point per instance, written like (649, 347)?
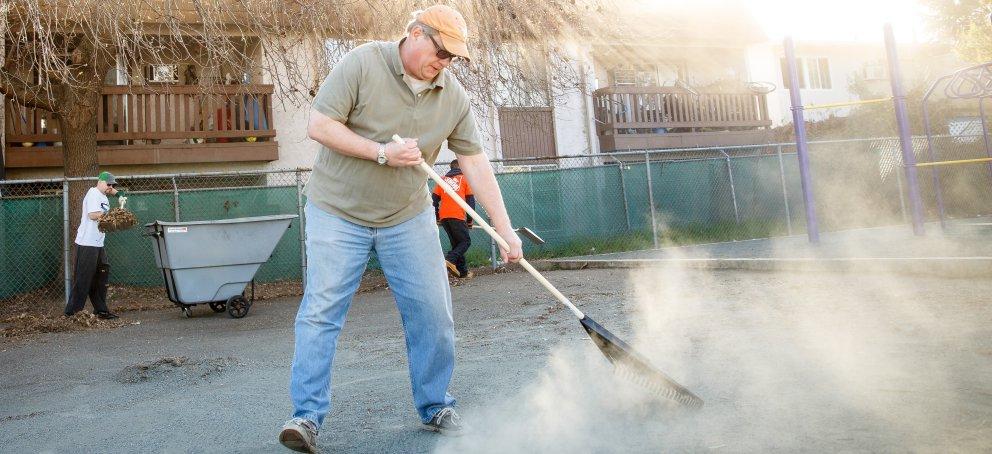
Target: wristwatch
(381, 157)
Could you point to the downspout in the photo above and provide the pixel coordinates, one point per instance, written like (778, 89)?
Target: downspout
(3, 111)
(3, 149)
(588, 116)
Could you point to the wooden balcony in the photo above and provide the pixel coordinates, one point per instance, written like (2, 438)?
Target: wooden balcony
(668, 117)
(156, 125)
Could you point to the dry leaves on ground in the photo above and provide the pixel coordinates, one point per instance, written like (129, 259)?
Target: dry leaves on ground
(26, 323)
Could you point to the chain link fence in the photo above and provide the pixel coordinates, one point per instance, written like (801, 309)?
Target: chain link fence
(963, 188)
(577, 205)
(862, 183)
(31, 241)
(36, 245)
(640, 200)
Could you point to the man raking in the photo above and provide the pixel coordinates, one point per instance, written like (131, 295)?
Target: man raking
(366, 194)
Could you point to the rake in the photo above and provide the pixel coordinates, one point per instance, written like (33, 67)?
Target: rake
(625, 360)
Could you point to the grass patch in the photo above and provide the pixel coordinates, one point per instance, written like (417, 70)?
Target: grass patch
(641, 240)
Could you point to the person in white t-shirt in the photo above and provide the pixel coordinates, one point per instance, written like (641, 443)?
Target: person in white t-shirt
(92, 269)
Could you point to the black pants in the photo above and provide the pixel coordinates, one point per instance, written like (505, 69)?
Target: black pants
(457, 231)
(90, 278)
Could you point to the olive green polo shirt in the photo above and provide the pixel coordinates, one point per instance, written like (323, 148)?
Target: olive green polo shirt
(366, 92)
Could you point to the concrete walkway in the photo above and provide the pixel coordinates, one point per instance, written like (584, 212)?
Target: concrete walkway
(964, 250)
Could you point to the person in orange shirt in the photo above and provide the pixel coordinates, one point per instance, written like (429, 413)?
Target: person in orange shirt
(455, 221)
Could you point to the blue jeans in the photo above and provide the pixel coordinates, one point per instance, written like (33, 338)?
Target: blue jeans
(411, 258)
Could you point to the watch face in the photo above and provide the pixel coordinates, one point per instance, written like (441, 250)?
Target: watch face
(381, 159)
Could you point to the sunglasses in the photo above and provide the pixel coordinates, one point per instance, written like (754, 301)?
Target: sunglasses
(443, 53)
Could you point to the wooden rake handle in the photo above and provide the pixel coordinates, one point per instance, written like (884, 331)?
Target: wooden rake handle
(492, 232)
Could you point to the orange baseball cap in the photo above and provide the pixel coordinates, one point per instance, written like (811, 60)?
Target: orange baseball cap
(450, 24)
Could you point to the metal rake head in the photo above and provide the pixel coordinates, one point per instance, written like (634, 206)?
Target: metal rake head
(635, 368)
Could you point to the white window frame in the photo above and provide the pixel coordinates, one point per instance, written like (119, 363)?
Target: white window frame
(163, 73)
(809, 67)
(813, 68)
(635, 75)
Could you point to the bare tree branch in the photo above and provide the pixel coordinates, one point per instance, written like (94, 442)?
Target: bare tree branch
(24, 93)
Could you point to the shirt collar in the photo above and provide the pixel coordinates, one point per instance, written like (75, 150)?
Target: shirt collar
(396, 64)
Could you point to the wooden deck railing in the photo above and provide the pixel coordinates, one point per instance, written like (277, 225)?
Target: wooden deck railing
(155, 125)
(662, 117)
(665, 107)
(137, 113)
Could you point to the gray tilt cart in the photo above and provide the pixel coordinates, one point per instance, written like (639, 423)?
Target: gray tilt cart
(213, 262)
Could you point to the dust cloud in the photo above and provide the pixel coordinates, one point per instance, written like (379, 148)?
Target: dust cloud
(885, 355)
(786, 361)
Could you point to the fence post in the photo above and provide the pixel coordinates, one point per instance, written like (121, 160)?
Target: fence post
(654, 223)
(902, 121)
(65, 241)
(493, 253)
(303, 227)
(902, 197)
(175, 198)
(785, 190)
(623, 192)
(733, 189)
(530, 190)
(802, 147)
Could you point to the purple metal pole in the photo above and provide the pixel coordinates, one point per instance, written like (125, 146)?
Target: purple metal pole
(802, 149)
(985, 133)
(934, 171)
(908, 156)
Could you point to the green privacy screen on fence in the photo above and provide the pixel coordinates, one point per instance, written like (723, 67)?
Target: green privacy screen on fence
(607, 208)
(31, 243)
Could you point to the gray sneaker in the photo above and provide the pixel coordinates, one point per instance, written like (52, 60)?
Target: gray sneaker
(299, 434)
(446, 422)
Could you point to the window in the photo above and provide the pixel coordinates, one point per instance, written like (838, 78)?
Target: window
(643, 76)
(624, 76)
(162, 73)
(814, 73)
(785, 74)
(819, 73)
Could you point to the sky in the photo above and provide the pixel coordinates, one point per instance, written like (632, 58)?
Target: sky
(822, 20)
(841, 20)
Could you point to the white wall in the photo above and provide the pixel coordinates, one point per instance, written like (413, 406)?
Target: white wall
(291, 109)
(763, 66)
(919, 63)
(575, 133)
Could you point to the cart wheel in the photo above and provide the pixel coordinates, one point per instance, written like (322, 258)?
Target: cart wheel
(218, 306)
(238, 306)
(187, 311)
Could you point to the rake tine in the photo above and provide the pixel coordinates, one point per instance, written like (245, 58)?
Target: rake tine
(636, 368)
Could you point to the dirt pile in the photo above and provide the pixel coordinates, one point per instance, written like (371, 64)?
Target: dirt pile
(175, 367)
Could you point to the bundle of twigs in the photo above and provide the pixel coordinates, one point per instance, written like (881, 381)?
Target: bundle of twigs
(117, 219)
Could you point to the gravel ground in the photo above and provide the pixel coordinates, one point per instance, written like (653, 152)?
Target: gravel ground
(785, 362)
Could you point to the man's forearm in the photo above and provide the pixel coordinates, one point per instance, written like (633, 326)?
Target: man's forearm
(336, 136)
(480, 176)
